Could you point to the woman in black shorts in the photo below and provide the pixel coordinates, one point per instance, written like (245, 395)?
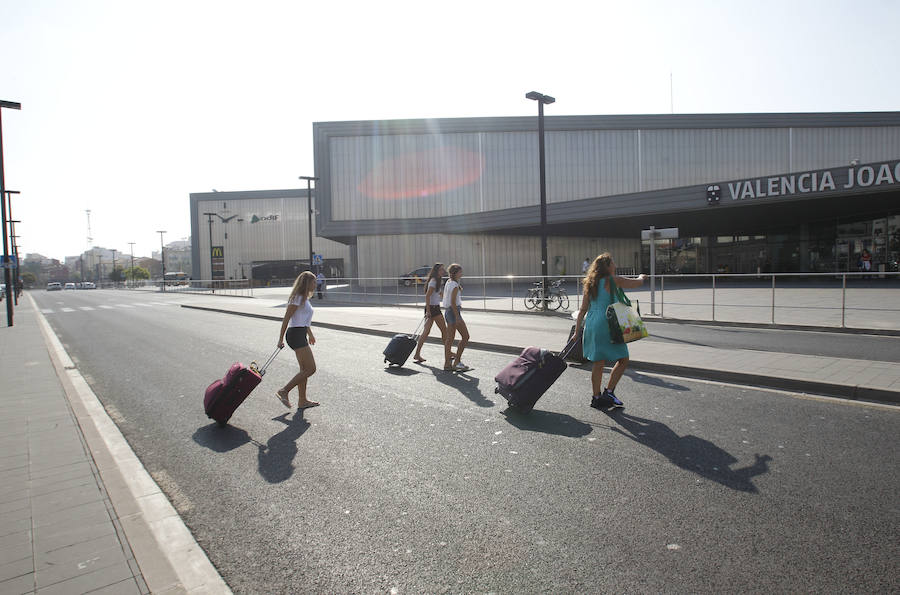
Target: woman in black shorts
(296, 329)
(432, 308)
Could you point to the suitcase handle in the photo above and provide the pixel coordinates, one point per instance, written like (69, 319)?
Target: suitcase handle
(418, 326)
(569, 346)
(262, 371)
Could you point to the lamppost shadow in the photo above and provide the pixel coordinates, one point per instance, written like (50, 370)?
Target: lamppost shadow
(276, 457)
(547, 422)
(691, 453)
(654, 381)
(222, 439)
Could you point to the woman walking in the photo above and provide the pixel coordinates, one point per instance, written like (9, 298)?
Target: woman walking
(432, 308)
(296, 329)
(596, 342)
(452, 302)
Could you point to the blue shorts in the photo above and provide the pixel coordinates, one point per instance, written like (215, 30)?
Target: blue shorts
(450, 317)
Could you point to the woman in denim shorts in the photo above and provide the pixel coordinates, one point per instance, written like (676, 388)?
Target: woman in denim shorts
(452, 303)
(432, 308)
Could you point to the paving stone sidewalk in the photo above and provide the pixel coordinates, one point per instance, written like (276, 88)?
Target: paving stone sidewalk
(59, 533)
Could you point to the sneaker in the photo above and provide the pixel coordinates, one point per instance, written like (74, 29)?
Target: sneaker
(612, 397)
(283, 398)
(599, 402)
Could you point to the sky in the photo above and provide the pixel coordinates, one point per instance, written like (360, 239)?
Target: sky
(128, 107)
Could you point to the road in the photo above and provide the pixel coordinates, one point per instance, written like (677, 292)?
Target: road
(419, 481)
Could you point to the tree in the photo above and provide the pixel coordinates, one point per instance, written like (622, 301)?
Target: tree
(28, 278)
(136, 273)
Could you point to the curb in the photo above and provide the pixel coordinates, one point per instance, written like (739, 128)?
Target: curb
(844, 391)
(169, 558)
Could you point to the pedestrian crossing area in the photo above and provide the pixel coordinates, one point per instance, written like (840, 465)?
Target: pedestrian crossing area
(105, 307)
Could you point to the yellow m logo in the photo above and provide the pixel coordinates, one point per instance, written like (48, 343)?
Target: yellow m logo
(218, 252)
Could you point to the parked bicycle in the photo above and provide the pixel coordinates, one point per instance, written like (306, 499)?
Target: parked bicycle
(556, 297)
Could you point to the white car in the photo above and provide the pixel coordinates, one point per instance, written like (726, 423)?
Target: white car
(70, 286)
(54, 286)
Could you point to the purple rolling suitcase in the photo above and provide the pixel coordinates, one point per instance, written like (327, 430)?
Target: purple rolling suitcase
(529, 376)
(224, 396)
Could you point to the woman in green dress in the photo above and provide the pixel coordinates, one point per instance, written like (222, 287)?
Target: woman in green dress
(596, 343)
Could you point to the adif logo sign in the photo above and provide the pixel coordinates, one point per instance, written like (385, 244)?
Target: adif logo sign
(257, 219)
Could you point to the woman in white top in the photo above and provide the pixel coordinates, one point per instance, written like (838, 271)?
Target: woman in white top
(297, 330)
(432, 308)
(452, 315)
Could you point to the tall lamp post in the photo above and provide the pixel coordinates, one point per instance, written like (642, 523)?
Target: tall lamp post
(6, 270)
(542, 100)
(210, 216)
(162, 257)
(132, 263)
(116, 279)
(15, 249)
(309, 180)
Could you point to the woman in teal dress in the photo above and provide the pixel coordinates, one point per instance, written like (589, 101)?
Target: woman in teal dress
(596, 343)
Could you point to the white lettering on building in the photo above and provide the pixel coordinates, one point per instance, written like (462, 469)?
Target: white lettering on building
(813, 181)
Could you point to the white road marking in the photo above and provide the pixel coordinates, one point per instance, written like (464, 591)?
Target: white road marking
(67, 309)
(124, 306)
(107, 307)
(85, 308)
(47, 311)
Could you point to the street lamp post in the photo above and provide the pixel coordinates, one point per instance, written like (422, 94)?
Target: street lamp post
(210, 216)
(12, 235)
(542, 100)
(6, 270)
(132, 263)
(116, 279)
(309, 180)
(162, 258)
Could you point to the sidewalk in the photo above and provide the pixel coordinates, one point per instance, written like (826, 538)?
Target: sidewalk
(74, 501)
(510, 333)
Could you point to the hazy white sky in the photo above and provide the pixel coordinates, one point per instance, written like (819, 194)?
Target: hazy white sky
(128, 107)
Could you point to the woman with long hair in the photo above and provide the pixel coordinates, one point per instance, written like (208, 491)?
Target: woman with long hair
(296, 329)
(452, 302)
(432, 308)
(597, 345)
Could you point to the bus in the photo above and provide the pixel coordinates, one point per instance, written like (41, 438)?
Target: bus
(177, 278)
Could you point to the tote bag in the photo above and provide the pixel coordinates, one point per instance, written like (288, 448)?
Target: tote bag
(625, 324)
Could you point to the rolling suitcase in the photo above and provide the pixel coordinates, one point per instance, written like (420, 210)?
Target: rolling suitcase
(528, 377)
(401, 347)
(224, 396)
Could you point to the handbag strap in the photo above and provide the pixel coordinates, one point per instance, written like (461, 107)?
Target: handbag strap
(617, 294)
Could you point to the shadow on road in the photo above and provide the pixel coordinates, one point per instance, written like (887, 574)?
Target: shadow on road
(222, 439)
(654, 381)
(691, 453)
(467, 385)
(547, 422)
(276, 458)
(400, 371)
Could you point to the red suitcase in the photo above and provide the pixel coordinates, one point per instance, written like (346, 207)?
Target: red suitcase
(224, 396)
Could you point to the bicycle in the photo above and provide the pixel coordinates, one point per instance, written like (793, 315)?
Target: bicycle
(557, 297)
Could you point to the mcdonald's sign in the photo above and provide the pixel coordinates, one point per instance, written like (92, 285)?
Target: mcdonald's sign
(217, 259)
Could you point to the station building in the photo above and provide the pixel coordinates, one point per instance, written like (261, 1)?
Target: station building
(748, 193)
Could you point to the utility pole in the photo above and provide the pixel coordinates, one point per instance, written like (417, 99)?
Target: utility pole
(115, 281)
(6, 263)
(310, 179)
(132, 263)
(162, 257)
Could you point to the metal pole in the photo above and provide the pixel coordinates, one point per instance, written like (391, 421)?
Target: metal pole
(115, 281)
(12, 232)
(132, 263)
(773, 298)
(543, 181)
(3, 195)
(662, 298)
(843, 297)
(162, 257)
(209, 220)
(309, 180)
(714, 299)
(653, 270)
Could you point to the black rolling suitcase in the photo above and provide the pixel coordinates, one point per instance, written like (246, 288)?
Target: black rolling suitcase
(527, 378)
(401, 347)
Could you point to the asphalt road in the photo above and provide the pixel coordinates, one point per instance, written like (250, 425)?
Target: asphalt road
(420, 481)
